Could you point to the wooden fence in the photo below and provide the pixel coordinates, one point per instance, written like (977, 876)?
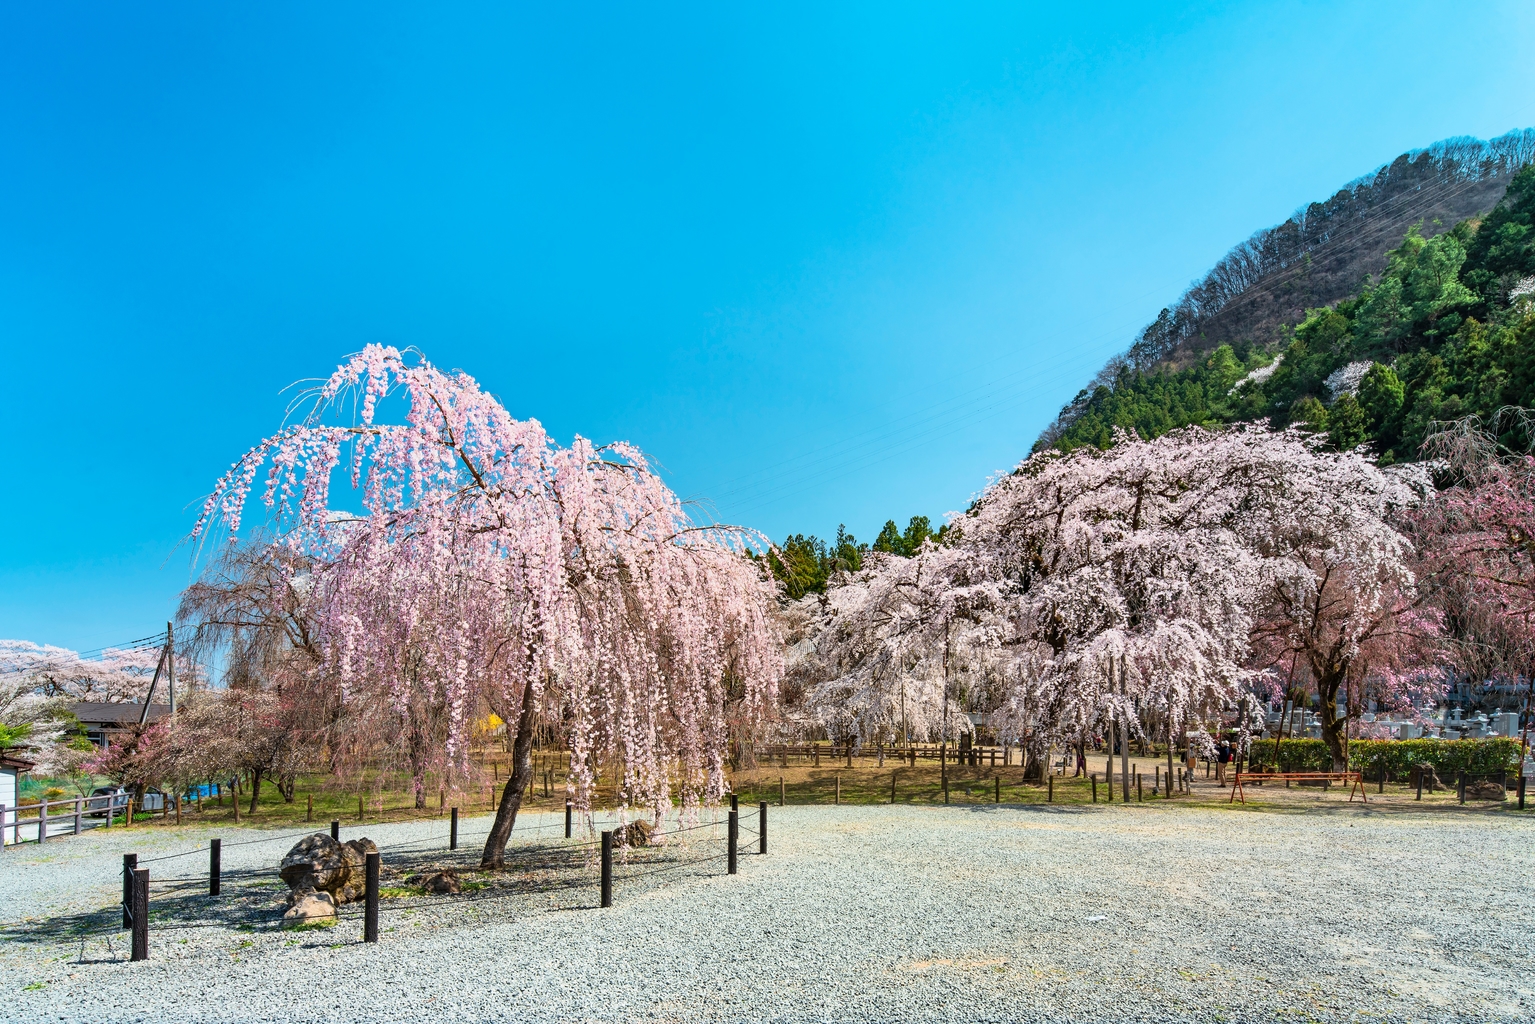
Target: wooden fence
(48, 818)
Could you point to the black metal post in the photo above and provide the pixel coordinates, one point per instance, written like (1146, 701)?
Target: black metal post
(607, 869)
(1095, 787)
(1460, 786)
(130, 861)
(735, 804)
(762, 821)
(730, 841)
(1420, 785)
(370, 896)
(335, 830)
(567, 819)
(453, 830)
(215, 868)
(1521, 792)
(140, 914)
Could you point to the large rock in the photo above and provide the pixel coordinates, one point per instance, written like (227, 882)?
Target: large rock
(355, 886)
(316, 862)
(319, 863)
(442, 883)
(310, 908)
(638, 833)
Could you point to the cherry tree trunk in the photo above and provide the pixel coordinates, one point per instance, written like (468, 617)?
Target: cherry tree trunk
(255, 789)
(494, 857)
(1333, 727)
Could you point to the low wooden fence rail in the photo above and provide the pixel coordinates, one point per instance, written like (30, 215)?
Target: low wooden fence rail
(975, 756)
(48, 818)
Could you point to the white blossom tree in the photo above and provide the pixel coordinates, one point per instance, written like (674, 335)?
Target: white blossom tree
(1110, 586)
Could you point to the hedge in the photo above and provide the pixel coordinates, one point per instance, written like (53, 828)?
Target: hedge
(1400, 757)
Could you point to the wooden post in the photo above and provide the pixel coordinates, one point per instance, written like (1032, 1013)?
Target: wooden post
(1521, 791)
(1050, 788)
(335, 830)
(140, 914)
(1382, 787)
(77, 815)
(453, 830)
(359, 806)
(607, 869)
(762, 827)
(215, 868)
(1094, 779)
(567, 819)
(892, 786)
(815, 748)
(309, 811)
(130, 862)
(1420, 785)
(370, 897)
(780, 791)
(1139, 798)
(837, 796)
(945, 790)
(178, 808)
(199, 798)
(42, 820)
(1460, 786)
(997, 780)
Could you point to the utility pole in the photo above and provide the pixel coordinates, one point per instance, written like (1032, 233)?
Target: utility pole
(170, 665)
(166, 664)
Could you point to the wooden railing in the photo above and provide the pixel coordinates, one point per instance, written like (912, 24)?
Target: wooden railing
(48, 818)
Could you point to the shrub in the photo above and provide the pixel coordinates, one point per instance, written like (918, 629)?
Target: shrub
(1400, 757)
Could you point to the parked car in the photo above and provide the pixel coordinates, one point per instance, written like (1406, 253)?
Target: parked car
(104, 796)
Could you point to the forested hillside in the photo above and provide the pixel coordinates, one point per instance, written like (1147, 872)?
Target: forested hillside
(1447, 329)
(1256, 295)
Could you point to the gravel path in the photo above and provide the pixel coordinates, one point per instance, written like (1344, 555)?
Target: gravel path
(861, 914)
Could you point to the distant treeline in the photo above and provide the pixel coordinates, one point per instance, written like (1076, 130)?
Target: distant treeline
(804, 562)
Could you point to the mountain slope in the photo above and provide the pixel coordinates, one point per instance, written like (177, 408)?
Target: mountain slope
(1445, 330)
(1320, 256)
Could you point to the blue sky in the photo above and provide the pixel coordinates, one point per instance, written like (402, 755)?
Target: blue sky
(828, 264)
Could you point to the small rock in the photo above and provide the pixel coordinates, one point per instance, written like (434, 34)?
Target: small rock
(310, 908)
(441, 883)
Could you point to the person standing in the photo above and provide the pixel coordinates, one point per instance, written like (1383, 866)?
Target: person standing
(1222, 758)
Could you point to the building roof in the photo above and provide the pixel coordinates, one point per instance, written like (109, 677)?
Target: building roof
(7, 761)
(92, 712)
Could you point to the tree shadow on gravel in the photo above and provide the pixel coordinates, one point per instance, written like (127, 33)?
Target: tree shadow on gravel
(254, 899)
(245, 904)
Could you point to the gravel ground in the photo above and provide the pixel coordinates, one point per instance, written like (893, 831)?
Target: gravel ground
(1123, 913)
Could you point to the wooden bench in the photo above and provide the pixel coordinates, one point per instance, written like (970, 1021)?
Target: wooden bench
(1354, 779)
